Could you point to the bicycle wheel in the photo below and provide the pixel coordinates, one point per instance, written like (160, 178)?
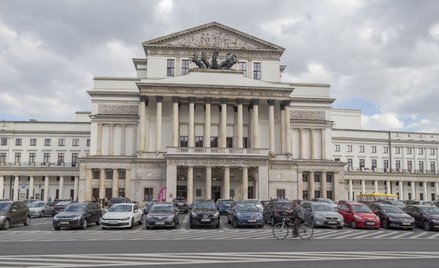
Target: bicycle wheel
(280, 231)
(305, 231)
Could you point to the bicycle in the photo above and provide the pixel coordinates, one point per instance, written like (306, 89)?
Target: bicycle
(282, 229)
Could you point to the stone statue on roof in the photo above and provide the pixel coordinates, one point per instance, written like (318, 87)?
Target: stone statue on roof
(203, 61)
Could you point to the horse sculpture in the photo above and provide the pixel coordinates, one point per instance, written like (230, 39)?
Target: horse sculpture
(196, 59)
(203, 62)
(231, 59)
(214, 64)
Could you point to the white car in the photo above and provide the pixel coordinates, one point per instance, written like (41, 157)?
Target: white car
(122, 215)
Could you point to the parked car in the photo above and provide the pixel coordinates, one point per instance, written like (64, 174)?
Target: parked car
(118, 200)
(426, 217)
(358, 215)
(29, 201)
(420, 202)
(321, 214)
(204, 213)
(12, 213)
(162, 215)
(56, 201)
(325, 200)
(181, 204)
(392, 216)
(41, 209)
(275, 211)
(257, 203)
(123, 215)
(78, 215)
(60, 207)
(223, 205)
(264, 204)
(245, 213)
(148, 206)
(393, 202)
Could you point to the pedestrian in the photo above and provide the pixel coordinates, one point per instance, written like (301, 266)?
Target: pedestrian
(50, 198)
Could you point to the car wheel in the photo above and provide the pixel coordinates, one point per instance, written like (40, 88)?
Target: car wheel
(57, 228)
(353, 225)
(98, 222)
(27, 221)
(228, 221)
(272, 221)
(339, 227)
(6, 225)
(234, 223)
(41, 215)
(141, 221)
(427, 226)
(385, 224)
(104, 228)
(84, 224)
(218, 226)
(132, 223)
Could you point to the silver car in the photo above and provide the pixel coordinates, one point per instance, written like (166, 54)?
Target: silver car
(41, 209)
(322, 214)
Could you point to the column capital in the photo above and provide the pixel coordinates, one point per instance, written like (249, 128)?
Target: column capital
(239, 101)
(207, 100)
(282, 106)
(235, 109)
(286, 102)
(159, 98)
(175, 99)
(270, 102)
(223, 100)
(144, 99)
(191, 99)
(255, 101)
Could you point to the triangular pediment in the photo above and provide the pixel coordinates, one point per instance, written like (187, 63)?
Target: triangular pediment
(213, 35)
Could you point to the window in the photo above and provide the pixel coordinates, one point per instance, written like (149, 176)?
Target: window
(432, 166)
(198, 141)
(229, 142)
(108, 174)
(61, 142)
(74, 159)
(96, 174)
(409, 150)
(122, 174)
(245, 142)
(409, 183)
(18, 141)
(362, 163)
(432, 152)
(421, 151)
(374, 149)
(214, 142)
(198, 192)
(17, 158)
(121, 192)
(349, 149)
(2, 157)
(33, 142)
(4, 141)
(409, 165)
(350, 165)
(329, 194)
(421, 166)
(88, 142)
(170, 67)
(329, 177)
(232, 193)
(386, 165)
(337, 148)
(46, 158)
(184, 66)
(183, 141)
(148, 194)
(75, 142)
(361, 148)
(31, 157)
(386, 150)
(305, 195)
(242, 66)
(257, 70)
(317, 194)
(374, 164)
(47, 142)
(60, 159)
(305, 177)
(397, 150)
(280, 193)
(397, 165)
(316, 177)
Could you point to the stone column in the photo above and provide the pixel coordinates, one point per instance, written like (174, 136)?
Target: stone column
(240, 124)
(158, 145)
(288, 136)
(171, 181)
(262, 183)
(208, 182)
(16, 188)
(271, 126)
(401, 190)
(388, 187)
(76, 189)
(206, 142)
(336, 185)
(2, 186)
(99, 139)
(115, 186)
(302, 145)
(413, 190)
(311, 142)
(425, 191)
(88, 186)
(46, 188)
(223, 128)
(102, 183)
(226, 183)
(363, 186)
(311, 185)
(122, 144)
(323, 184)
(244, 183)
(282, 127)
(351, 191)
(299, 185)
(190, 185)
(175, 119)
(31, 187)
(61, 187)
(323, 143)
(128, 184)
(142, 111)
(191, 137)
(111, 138)
(255, 133)
(376, 186)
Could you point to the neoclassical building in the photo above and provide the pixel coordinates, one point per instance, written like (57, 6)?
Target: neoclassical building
(181, 130)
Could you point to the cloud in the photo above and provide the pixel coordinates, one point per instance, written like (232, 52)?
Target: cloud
(386, 121)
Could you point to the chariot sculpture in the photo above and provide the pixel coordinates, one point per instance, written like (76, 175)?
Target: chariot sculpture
(202, 61)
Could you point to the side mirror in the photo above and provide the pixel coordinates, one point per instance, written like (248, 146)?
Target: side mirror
(136, 210)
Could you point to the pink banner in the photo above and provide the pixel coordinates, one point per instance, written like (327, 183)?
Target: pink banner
(162, 195)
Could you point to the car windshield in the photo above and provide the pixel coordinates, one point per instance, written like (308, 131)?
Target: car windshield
(246, 207)
(323, 207)
(397, 203)
(205, 205)
(328, 201)
(37, 205)
(284, 206)
(361, 209)
(392, 209)
(121, 208)
(254, 201)
(226, 203)
(162, 208)
(117, 200)
(430, 210)
(64, 203)
(4, 206)
(76, 208)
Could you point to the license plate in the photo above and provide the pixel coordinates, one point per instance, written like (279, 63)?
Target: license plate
(405, 223)
(332, 222)
(112, 222)
(64, 222)
(370, 223)
(160, 223)
(251, 220)
(205, 220)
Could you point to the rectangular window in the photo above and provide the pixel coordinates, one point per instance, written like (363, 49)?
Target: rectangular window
(214, 142)
(337, 148)
(329, 195)
(198, 192)
(32, 157)
(242, 66)
(421, 166)
(409, 150)
(257, 70)
(362, 163)
(170, 67)
(245, 142)
(374, 164)
(17, 159)
(2, 157)
(122, 174)
(33, 142)
(386, 165)
(305, 195)
(305, 177)
(108, 174)
(432, 152)
(374, 149)
(60, 159)
(183, 141)
(397, 150)
(349, 149)
(397, 165)
(96, 174)
(46, 158)
(47, 142)
(148, 194)
(198, 141)
(75, 142)
(184, 66)
(316, 177)
(386, 150)
(329, 177)
(350, 165)
(421, 151)
(121, 192)
(232, 193)
(88, 142)
(229, 142)
(432, 166)
(409, 166)
(280, 193)
(74, 159)
(18, 141)
(317, 194)
(4, 141)
(361, 148)
(61, 142)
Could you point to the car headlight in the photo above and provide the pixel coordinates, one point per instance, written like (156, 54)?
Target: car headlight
(216, 215)
(126, 218)
(393, 219)
(319, 216)
(170, 218)
(2, 218)
(358, 217)
(259, 217)
(194, 215)
(77, 218)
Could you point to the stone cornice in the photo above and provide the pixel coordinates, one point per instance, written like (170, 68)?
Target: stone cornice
(312, 100)
(395, 143)
(116, 78)
(112, 93)
(114, 116)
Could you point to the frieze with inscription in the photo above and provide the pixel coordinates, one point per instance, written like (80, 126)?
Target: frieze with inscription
(217, 162)
(118, 109)
(314, 115)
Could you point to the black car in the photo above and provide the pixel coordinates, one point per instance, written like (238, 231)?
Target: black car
(162, 215)
(426, 217)
(397, 203)
(275, 211)
(181, 204)
(78, 215)
(60, 206)
(116, 200)
(204, 213)
(13, 212)
(392, 216)
(244, 213)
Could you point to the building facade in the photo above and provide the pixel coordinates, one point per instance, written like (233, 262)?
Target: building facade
(199, 133)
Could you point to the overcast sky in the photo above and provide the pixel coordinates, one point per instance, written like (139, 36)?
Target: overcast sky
(379, 56)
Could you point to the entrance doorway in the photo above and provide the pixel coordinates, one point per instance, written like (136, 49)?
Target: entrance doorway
(216, 192)
(251, 191)
(182, 191)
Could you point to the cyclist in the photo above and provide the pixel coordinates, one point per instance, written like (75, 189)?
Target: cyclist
(296, 217)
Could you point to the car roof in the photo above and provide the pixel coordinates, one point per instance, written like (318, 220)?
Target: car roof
(352, 203)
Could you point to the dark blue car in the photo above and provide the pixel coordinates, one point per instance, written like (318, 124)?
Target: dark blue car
(223, 205)
(245, 214)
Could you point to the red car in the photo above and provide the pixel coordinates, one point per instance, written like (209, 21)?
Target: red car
(358, 215)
